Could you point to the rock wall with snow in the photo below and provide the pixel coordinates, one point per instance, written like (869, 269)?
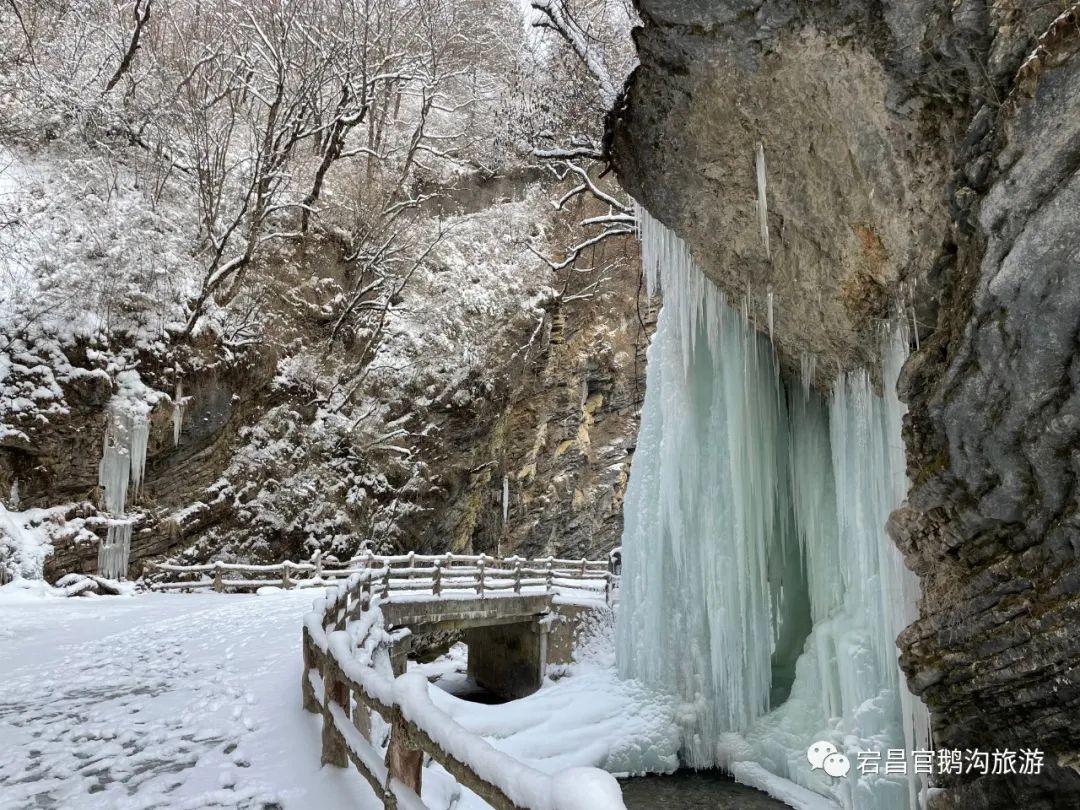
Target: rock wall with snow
(497, 413)
(920, 157)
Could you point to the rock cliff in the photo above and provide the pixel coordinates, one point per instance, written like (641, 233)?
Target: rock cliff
(921, 157)
(499, 411)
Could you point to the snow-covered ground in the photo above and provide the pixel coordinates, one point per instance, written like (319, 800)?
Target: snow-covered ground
(193, 701)
(177, 701)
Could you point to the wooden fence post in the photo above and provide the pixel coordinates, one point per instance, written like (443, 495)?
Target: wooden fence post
(517, 577)
(550, 575)
(285, 581)
(436, 579)
(480, 577)
(311, 702)
(335, 691)
(360, 599)
(362, 719)
(386, 583)
(403, 761)
(317, 574)
(219, 586)
(341, 612)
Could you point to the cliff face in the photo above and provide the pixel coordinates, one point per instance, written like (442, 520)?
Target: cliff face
(992, 527)
(913, 164)
(855, 162)
(498, 412)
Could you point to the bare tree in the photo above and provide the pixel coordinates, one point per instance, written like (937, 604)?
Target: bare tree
(141, 14)
(595, 32)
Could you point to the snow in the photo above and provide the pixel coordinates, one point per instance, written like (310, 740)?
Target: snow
(88, 249)
(24, 590)
(584, 722)
(590, 718)
(524, 785)
(87, 254)
(755, 776)
(759, 585)
(193, 701)
(160, 701)
(24, 542)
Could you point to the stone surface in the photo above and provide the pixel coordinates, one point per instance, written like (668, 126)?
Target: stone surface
(439, 615)
(993, 443)
(511, 639)
(507, 660)
(855, 162)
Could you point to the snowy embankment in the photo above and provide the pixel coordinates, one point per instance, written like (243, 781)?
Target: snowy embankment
(193, 701)
(587, 719)
(23, 542)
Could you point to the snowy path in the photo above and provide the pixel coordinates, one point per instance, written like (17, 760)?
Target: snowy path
(192, 701)
(181, 701)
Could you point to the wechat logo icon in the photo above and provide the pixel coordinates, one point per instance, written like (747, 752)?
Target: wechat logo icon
(823, 755)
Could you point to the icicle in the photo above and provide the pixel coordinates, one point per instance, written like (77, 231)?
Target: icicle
(114, 552)
(808, 370)
(178, 413)
(714, 422)
(114, 470)
(13, 496)
(755, 559)
(762, 200)
(769, 296)
(123, 462)
(505, 498)
(914, 316)
(139, 432)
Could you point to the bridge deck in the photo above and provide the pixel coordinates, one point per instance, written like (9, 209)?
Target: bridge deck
(423, 616)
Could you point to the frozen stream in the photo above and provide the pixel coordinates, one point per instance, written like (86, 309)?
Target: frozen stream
(693, 790)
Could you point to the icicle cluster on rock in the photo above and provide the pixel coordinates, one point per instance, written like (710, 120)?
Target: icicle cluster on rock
(759, 586)
(121, 469)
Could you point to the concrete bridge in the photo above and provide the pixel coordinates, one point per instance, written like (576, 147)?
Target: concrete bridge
(517, 616)
(511, 639)
(515, 623)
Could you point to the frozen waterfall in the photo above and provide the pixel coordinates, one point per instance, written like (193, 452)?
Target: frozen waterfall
(123, 461)
(759, 586)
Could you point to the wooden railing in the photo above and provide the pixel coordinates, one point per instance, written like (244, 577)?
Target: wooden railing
(346, 657)
(404, 573)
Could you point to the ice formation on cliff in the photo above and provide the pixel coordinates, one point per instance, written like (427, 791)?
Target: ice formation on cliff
(122, 465)
(759, 586)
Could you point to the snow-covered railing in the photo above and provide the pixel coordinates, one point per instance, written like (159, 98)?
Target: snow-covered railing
(416, 573)
(348, 674)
